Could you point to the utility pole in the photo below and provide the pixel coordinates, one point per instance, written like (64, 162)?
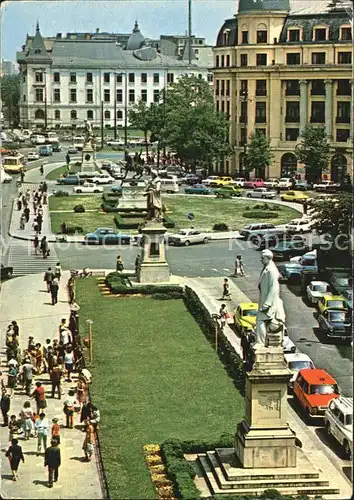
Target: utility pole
(101, 124)
(125, 109)
(189, 31)
(45, 102)
(115, 106)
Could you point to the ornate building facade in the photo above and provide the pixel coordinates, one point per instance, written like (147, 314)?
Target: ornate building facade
(278, 67)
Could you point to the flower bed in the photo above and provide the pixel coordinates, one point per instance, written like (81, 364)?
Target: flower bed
(163, 485)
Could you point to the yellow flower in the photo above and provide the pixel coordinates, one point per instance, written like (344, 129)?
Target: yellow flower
(151, 449)
(157, 469)
(153, 459)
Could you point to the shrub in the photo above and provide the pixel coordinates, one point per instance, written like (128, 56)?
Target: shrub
(220, 226)
(61, 193)
(123, 223)
(258, 214)
(74, 229)
(109, 208)
(121, 285)
(79, 209)
(111, 198)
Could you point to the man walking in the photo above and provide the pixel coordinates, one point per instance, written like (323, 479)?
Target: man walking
(5, 407)
(48, 278)
(42, 428)
(54, 288)
(27, 374)
(52, 460)
(55, 378)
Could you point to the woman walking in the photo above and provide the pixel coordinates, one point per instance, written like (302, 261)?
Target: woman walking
(15, 455)
(57, 271)
(27, 419)
(44, 246)
(87, 445)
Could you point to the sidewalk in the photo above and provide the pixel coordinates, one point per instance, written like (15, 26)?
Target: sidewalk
(25, 300)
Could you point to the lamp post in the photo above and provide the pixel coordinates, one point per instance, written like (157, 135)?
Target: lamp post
(89, 322)
(125, 108)
(115, 106)
(45, 100)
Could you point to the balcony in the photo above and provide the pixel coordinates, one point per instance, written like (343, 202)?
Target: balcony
(343, 119)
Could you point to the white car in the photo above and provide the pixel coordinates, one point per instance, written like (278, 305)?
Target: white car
(118, 143)
(316, 290)
(210, 179)
(299, 226)
(88, 187)
(272, 182)
(288, 344)
(240, 181)
(33, 155)
(338, 420)
(103, 179)
(37, 139)
(261, 193)
(297, 361)
(326, 186)
(285, 183)
(4, 177)
(188, 237)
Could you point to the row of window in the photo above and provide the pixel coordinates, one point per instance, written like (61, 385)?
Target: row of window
(39, 95)
(293, 134)
(39, 114)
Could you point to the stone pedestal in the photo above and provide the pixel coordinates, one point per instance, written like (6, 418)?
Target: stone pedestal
(132, 198)
(88, 162)
(152, 266)
(264, 438)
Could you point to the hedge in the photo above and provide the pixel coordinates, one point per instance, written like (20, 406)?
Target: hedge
(111, 198)
(109, 208)
(119, 285)
(260, 215)
(220, 226)
(61, 193)
(124, 222)
(79, 209)
(74, 229)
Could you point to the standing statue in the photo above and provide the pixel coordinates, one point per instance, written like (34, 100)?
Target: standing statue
(153, 193)
(271, 314)
(89, 132)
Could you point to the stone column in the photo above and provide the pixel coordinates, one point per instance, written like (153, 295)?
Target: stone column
(303, 104)
(329, 108)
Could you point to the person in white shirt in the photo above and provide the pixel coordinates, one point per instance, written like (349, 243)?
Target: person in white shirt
(69, 406)
(42, 429)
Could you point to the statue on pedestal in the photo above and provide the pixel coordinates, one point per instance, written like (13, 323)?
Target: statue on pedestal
(89, 133)
(271, 314)
(153, 193)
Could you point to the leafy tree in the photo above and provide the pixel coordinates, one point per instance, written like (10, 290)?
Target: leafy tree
(140, 117)
(332, 215)
(314, 151)
(10, 95)
(259, 155)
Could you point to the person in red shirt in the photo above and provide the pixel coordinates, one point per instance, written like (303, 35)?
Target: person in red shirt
(39, 395)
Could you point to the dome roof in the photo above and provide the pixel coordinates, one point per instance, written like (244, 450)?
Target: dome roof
(136, 39)
(265, 5)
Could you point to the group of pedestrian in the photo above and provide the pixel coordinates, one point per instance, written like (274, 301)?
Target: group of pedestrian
(38, 199)
(52, 279)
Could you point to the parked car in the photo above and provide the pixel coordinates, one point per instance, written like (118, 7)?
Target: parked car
(88, 187)
(116, 172)
(297, 361)
(294, 197)
(115, 189)
(313, 391)
(56, 147)
(72, 150)
(106, 165)
(103, 178)
(335, 324)
(316, 290)
(330, 301)
(254, 183)
(292, 270)
(222, 181)
(302, 186)
(226, 191)
(45, 151)
(209, 180)
(261, 192)
(192, 179)
(271, 240)
(327, 186)
(37, 139)
(255, 229)
(272, 182)
(312, 254)
(4, 177)
(348, 295)
(287, 249)
(340, 281)
(299, 226)
(338, 419)
(285, 183)
(6, 272)
(108, 236)
(245, 316)
(198, 189)
(240, 181)
(32, 155)
(71, 180)
(188, 237)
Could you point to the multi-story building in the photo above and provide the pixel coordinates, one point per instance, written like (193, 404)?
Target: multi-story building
(278, 68)
(67, 80)
(7, 68)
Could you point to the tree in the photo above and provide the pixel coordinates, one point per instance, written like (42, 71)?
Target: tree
(333, 215)
(10, 95)
(314, 151)
(140, 118)
(259, 155)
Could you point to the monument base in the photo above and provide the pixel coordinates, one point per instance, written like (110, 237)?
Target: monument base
(154, 272)
(152, 266)
(88, 163)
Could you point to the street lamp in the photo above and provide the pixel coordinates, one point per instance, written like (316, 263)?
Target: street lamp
(89, 322)
(244, 98)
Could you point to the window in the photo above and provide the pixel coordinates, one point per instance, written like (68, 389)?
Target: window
(156, 95)
(344, 87)
(144, 96)
(261, 36)
(318, 87)
(344, 57)
(89, 95)
(156, 78)
(38, 77)
(318, 58)
(210, 78)
(243, 137)
(261, 59)
(244, 37)
(294, 35)
(107, 95)
(291, 134)
(292, 112)
(243, 115)
(72, 95)
(131, 77)
(227, 87)
(143, 77)
(73, 114)
(107, 115)
(217, 61)
(119, 95)
(119, 78)
(222, 87)
(222, 61)
(227, 109)
(343, 111)
(261, 87)
(225, 36)
(217, 86)
(39, 114)
(120, 114)
(89, 77)
(293, 58)
(244, 88)
(318, 112)
(170, 77)
(261, 113)
(89, 114)
(222, 106)
(346, 34)
(342, 135)
(262, 131)
(106, 77)
(217, 105)
(228, 60)
(56, 77)
(56, 95)
(244, 59)
(39, 95)
(320, 34)
(72, 77)
(24, 98)
(292, 87)
(131, 95)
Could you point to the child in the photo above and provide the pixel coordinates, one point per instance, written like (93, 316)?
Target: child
(56, 430)
(13, 427)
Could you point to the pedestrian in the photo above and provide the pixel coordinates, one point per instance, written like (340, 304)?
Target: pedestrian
(65, 340)
(27, 375)
(13, 427)
(44, 187)
(44, 199)
(22, 221)
(28, 195)
(55, 430)
(87, 445)
(81, 390)
(40, 211)
(95, 416)
(57, 271)
(12, 377)
(19, 203)
(39, 395)
(69, 362)
(119, 264)
(55, 378)
(22, 176)
(42, 428)
(35, 227)
(71, 289)
(41, 170)
(54, 288)
(5, 407)
(27, 212)
(86, 411)
(27, 419)
(15, 455)
(240, 265)
(245, 345)
(35, 205)
(222, 315)
(52, 460)
(39, 357)
(44, 247)
(69, 407)
(48, 278)
(305, 207)
(36, 244)
(67, 159)
(226, 290)
(39, 221)
(2, 382)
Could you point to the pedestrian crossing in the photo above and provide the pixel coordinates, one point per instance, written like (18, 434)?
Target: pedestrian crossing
(23, 260)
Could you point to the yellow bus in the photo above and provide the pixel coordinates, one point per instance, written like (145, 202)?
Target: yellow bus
(13, 164)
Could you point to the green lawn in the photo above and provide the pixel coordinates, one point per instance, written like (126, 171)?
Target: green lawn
(154, 377)
(60, 171)
(89, 221)
(89, 201)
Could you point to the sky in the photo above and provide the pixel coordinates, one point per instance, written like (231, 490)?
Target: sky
(167, 17)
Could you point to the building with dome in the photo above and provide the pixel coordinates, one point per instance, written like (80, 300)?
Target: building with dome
(66, 80)
(279, 65)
